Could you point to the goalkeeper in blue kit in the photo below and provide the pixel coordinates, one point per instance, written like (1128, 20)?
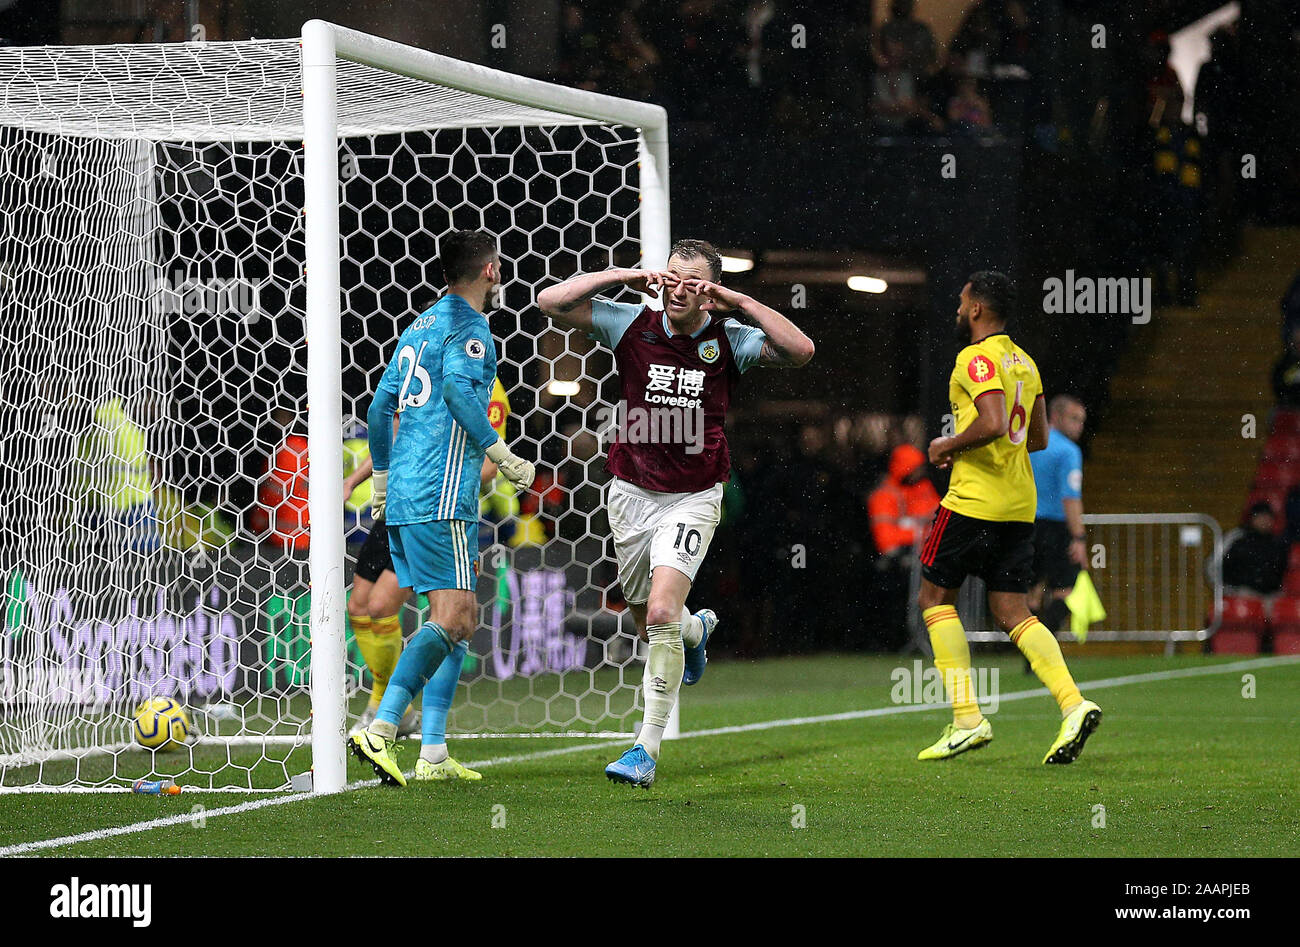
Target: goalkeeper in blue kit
(426, 478)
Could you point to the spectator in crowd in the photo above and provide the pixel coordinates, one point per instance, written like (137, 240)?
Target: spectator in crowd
(900, 509)
(1291, 309)
(758, 15)
(634, 61)
(1159, 77)
(968, 110)
(897, 104)
(1016, 32)
(1286, 373)
(1291, 509)
(1255, 558)
(1060, 550)
(917, 51)
(1220, 112)
(977, 42)
(994, 43)
(580, 49)
(706, 43)
(282, 511)
(902, 504)
(1174, 199)
(871, 436)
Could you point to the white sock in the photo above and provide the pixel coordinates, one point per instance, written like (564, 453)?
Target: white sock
(692, 629)
(433, 752)
(663, 679)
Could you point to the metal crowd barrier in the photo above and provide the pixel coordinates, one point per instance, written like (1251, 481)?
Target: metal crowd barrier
(1157, 574)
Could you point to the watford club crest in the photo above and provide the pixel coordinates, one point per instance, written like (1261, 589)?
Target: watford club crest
(709, 351)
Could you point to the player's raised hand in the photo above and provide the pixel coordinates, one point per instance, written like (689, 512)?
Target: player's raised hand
(717, 297)
(651, 281)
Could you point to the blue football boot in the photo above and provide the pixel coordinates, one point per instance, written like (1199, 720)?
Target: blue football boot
(634, 767)
(696, 657)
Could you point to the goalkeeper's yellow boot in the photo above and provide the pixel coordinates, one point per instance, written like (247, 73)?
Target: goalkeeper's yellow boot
(954, 740)
(1077, 726)
(447, 769)
(379, 753)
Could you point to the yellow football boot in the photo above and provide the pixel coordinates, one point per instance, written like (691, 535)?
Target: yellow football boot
(1075, 730)
(954, 740)
(379, 753)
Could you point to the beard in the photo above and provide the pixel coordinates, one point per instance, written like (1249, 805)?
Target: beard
(962, 331)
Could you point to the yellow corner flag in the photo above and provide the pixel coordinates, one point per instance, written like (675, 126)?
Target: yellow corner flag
(1085, 606)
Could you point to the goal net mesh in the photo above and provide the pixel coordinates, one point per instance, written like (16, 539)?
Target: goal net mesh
(153, 541)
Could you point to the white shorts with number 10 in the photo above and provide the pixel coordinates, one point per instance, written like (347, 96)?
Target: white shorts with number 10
(654, 529)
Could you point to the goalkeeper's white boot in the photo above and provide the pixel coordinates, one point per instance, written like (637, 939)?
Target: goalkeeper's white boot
(367, 716)
(447, 769)
(410, 724)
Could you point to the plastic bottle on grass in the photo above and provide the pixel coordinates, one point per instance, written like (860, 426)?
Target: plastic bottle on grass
(156, 787)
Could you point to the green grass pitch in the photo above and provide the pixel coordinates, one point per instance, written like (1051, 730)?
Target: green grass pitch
(1186, 766)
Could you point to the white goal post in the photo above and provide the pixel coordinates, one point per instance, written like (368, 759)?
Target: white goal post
(204, 244)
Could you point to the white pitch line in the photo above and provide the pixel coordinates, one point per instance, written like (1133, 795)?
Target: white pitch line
(1102, 684)
(182, 818)
(27, 847)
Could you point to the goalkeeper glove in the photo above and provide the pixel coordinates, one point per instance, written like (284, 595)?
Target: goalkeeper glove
(380, 497)
(517, 470)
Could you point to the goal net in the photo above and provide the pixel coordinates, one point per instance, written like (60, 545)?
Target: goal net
(177, 223)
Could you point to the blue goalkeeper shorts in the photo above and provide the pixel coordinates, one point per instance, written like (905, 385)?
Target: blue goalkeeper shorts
(438, 554)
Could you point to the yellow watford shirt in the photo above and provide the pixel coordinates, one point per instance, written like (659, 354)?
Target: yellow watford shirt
(498, 407)
(994, 482)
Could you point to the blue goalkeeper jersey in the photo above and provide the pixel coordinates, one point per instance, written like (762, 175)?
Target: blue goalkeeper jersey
(434, 469)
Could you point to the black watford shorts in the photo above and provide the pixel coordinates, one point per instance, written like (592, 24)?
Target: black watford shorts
(1000, 553)
(374, 559)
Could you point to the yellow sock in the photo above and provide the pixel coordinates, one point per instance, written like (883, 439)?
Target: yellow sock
(1039, 645)
(952, 658)
(388, 648)
(366, 643)
(380, 648)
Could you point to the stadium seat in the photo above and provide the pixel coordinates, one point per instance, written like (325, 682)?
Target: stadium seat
(1286, 642)
(1282, 449)
(1270, 474)
(1243, 626)
(1293, 558)
(1285, 613)
(1286, 422)
(1291, 581)
(1285, 623)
